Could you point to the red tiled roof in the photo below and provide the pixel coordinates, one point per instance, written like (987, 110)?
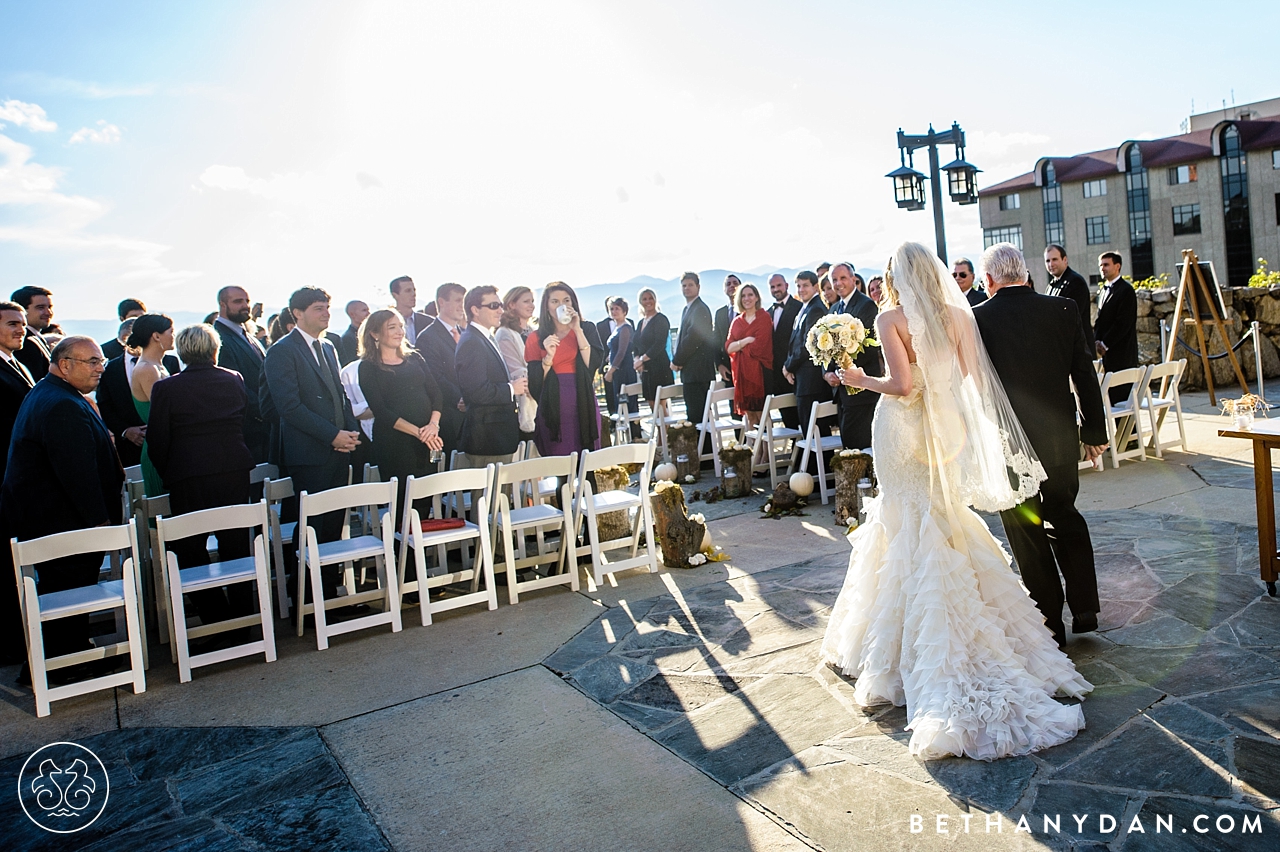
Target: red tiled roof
(1169, 151)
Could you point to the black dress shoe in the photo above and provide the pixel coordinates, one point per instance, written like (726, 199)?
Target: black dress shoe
(1085, 622)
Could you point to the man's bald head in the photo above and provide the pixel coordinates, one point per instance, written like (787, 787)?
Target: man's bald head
(778, 287)
(78, 361)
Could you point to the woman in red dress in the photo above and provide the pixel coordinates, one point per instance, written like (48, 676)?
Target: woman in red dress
(750, 348)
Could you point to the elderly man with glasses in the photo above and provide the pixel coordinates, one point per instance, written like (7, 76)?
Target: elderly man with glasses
(63, 474)
(962, 271)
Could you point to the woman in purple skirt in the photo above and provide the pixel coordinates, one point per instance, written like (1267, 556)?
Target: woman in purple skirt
(564, 355)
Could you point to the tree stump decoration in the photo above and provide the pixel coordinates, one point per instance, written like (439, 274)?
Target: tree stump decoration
(735, 471)
(849, 467)
(678, 535)
(612, 525)
(683, 441)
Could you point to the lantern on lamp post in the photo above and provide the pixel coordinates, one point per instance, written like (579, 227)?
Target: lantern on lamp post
(908, 184)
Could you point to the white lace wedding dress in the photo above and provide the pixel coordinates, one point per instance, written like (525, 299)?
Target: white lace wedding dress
(932, 615)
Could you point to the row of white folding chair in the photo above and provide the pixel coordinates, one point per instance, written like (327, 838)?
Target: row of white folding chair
(625, 417)
(36, 610)
(589, 505)
(522, 506)
(1165, 399)
(254, 569)
(816, 443)
(773, 436)
(666, 413)
(718, 419)
(1123, 418)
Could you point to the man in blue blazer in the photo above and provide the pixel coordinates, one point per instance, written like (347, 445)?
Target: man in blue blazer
(318, 432)
(243, 353)
(438, 344)
(490, 428)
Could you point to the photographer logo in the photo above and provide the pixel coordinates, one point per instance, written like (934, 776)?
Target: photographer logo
(63, 788)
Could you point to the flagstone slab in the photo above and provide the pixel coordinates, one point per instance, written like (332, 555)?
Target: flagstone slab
(1256, 626)
(608, 677)
(1253, 710)
(1074, 812)
(1145, 757)
(1258, 766)
(681, 693)
(1106, 709)
(1162, 631)
(1187, 837)
(1124, 578)
(1207, 600)
(1186, 671)
(1187, 722)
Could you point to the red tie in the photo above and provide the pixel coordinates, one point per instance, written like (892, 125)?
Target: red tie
(453, 329)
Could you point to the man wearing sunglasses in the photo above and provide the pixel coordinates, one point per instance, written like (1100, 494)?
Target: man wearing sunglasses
(491, 427)
(962, 272)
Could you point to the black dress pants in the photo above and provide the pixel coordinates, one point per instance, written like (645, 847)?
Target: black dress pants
(855, 425)
(1042, 553)
(695, 403)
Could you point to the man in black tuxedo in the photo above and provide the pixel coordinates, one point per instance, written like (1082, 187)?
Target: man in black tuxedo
(1117, 328)
(127, 309)
(438, 344)
(15, 384)
(1037, 347)
(784, 311)
(724, 318)
(695, 359)
(798, 369)
(241, 351)
(1066, 283)
(115, 403)
(856, 409)
(357, 312)
(491, 428)
(318, 432)
(38, 304)
(62, 474)
(405, 295)
(962, 272)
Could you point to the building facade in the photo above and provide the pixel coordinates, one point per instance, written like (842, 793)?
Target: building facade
(1213, 190)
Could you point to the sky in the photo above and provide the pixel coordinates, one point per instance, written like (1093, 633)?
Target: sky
(164, 150)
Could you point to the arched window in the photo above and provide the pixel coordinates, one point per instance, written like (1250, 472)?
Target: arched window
(1051, 195)
(1137, 190)
(1235, 207)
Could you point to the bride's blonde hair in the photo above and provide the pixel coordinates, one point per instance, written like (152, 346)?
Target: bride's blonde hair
(916, 263)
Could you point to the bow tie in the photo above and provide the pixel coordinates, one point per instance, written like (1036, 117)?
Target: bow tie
(779, 304)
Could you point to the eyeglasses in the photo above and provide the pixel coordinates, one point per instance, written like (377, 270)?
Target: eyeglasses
(493, 306)
(92, 362)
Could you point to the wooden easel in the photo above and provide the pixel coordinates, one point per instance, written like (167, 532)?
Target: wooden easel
(1191, 289)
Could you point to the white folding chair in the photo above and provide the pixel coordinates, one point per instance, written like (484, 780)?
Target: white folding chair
(225, 572)
(664, 415)
(514, 518)
(1123, 423)
(816, 443)
(313, 556)
(1164, 399)
(776, 438)
(625, 417)
(442, 489)
(588, 506)
(275, 492)
(37, 610)
(150, 565)
(717, 419)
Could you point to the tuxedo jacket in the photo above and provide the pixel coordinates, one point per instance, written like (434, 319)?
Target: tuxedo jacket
(870, 360)
(112, 349)
(63, 473)
(1037, 347)
(809, 380)
(350, 348)
(196, 425)
(1073, 286)
(14, 388)
(34, 354)
(245, 355)
(490, 426)
(303, 400)
(976, 297)
(1118, 325)
(695, 346)
(720, 330)
(115, 401)
(440, 352)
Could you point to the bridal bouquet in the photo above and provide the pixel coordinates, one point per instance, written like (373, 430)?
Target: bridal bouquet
(838, 339)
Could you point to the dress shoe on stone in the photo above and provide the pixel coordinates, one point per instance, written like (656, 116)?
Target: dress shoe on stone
(1085, 622)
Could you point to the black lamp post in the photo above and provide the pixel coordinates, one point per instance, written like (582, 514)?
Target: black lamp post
(908, 184)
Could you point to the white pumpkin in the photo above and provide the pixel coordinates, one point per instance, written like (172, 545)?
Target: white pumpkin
(801, 483)
(665, 472)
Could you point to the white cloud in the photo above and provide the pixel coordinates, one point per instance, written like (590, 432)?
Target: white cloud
(103, 134)
(367, 181)
(762, 112)
(82, 88)
(30, 116)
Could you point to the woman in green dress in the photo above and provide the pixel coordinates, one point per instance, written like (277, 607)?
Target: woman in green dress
(150, 339)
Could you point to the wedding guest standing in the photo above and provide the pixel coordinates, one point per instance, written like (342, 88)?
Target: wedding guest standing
(1037, 348)
(518, 307)
(724, 318)
(115, 403)
(695, 357)
(800, 371)
(405, 295)
(127, 309)
(1066, 283)
(1117, 327)
(962, 272)
(491, 429)
(15, 384)
(357, 312)
(563, 355)
(828, 288)
(750, 348)
(195, 439)
(604, 330)
(856, 409)
(404, 399)
(653, 337)
(242, 352)
(784, 311)
(37, 302)
(620, 369)
(151, 338)
(438, 344)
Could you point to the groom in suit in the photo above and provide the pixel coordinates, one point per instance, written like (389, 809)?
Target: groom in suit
(1037, 346)
(856, 409)
(491, 427)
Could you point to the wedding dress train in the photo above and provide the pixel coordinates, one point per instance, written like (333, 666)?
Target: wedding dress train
(932, 616)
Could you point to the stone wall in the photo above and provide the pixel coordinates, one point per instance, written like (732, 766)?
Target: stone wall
(1244, 305)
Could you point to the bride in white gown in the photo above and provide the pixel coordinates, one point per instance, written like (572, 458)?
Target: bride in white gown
(931, 614)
